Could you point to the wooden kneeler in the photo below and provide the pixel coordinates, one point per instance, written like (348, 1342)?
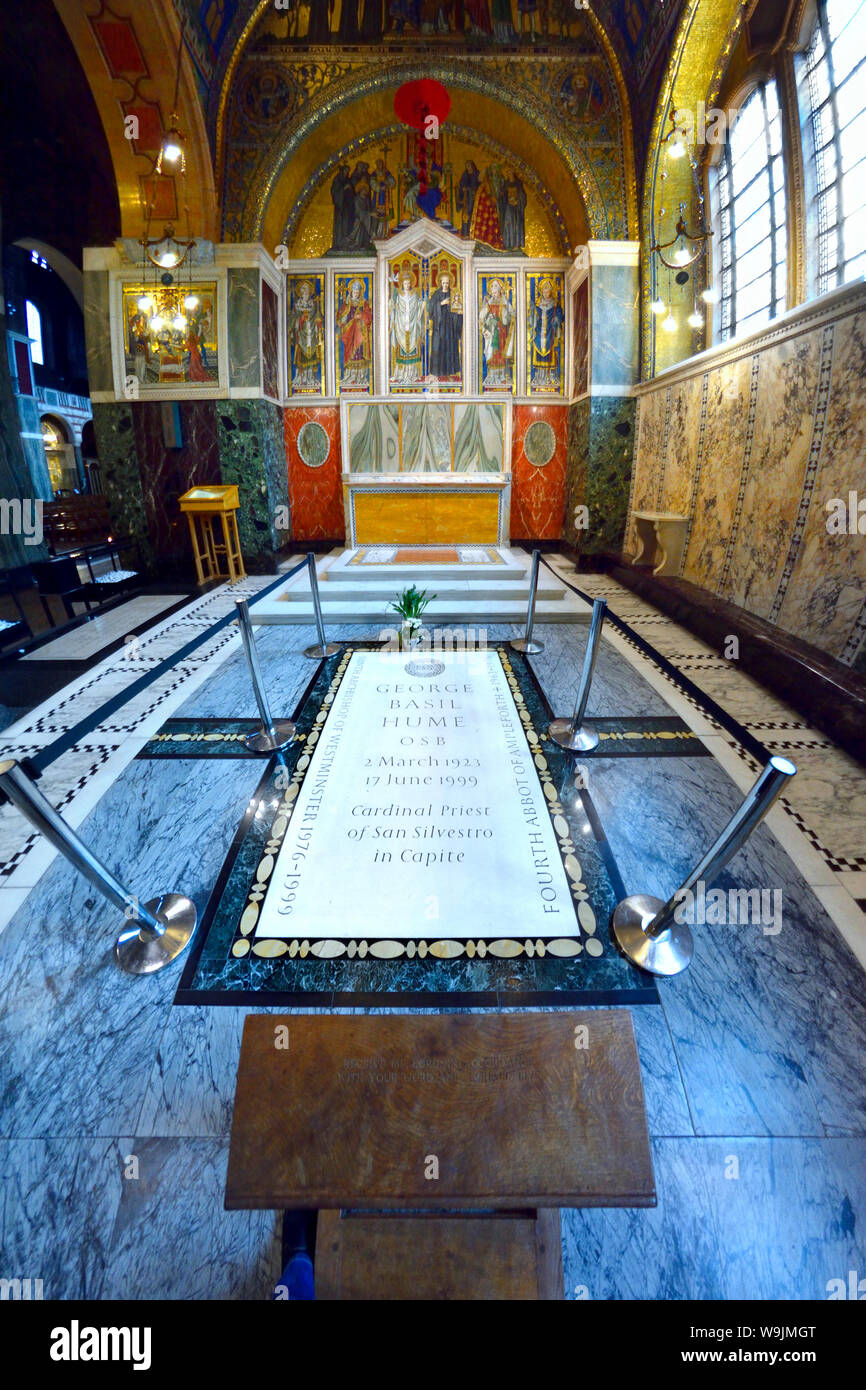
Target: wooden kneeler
(439, 1149)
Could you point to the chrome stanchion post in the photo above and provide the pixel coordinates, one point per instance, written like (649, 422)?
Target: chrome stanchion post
(527, 643)
(646, 929)
(322, 648)
(273, 734)
(157, 930)
(572, 733)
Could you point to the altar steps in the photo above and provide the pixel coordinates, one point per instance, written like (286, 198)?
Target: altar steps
(468, 595)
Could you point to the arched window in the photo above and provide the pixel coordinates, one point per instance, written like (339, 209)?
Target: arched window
(748, 185)
(34, 333)
(832, 93)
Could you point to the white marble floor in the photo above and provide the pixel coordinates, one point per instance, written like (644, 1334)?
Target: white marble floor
(822, 817)
(756, 1052)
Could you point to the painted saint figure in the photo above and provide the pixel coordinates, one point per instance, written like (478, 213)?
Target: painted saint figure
(445, 311)
(496, 319)
(406, 331)
(355, 328)
(545, 339)
(306, 333)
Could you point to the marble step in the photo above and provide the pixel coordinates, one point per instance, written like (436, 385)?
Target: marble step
(414, 574)
(470, 611)
(384, 590)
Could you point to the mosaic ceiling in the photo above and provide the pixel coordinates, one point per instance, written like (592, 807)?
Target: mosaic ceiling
(276, 77)
(637, 32)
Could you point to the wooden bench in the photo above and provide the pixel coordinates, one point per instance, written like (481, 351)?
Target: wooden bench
(469, 1131)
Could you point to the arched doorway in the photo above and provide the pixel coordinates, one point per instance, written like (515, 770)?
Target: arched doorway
(60, 455)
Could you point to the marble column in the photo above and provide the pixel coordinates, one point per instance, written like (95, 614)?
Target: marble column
(601, 423)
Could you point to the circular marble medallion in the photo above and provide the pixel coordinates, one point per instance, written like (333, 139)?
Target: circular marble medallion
(539, 443)
(313, 444)
(425, 668)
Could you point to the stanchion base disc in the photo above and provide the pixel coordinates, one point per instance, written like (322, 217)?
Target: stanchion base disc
(668, 954)
(139, 954)
(316, 652)
(261, 741)
(529, 646)
(583, 740)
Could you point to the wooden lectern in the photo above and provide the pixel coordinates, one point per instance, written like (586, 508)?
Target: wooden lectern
(201, 505)
(438, 1149)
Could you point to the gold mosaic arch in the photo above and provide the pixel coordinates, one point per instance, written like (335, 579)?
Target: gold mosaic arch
(694, 73)
(607, 50)
(546, 234)
(363, 101)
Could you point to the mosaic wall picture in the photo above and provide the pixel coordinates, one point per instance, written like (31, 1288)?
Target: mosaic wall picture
(163, 350)
(545, 322)
(425, 322)
(490, 22)
(427, 437)
(353, 314)
(484, 202)
(497, 299)
(306, 335)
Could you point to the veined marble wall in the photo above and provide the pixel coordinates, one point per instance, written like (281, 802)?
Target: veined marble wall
(751, 441)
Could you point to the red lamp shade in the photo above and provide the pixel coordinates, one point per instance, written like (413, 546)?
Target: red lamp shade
(415, 101)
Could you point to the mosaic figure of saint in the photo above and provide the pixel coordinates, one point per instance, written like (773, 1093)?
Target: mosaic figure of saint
(466, 191)
(528, 12)
(478, 14)
(355, 327)
(503, 27)
(405, 12)
(306, 329)
(343, 199)
(445, 311)
(512, 209)
(408, 321)
(361, 233)
(545, 338)
(496, 319)
(485, 218)
(382, 182)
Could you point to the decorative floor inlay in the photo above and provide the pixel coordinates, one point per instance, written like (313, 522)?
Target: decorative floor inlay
(535, 877)
(427, 555)
(201, 738)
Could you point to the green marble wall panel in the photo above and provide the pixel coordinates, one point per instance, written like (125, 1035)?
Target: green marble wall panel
(576, 457)
(120, 472)
(244, 337)
(608, 474)
(97, 330)
(598, 470)
(252, 454)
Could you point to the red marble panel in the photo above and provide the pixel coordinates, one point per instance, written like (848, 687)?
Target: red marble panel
(538, 494)
(168, 473)
(270, 342)
(315, 494)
